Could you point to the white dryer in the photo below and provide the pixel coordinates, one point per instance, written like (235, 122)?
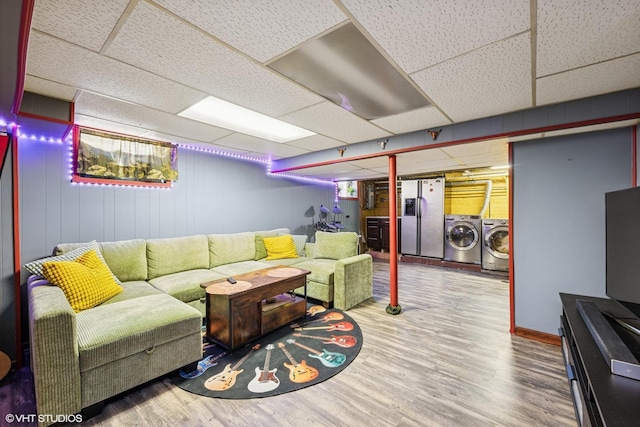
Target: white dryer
(495, 244)
(462, 238)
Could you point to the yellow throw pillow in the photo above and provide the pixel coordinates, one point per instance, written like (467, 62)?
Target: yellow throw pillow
(86, 282)
(280, 247)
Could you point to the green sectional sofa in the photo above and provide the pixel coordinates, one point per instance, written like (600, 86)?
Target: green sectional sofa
(153, 326)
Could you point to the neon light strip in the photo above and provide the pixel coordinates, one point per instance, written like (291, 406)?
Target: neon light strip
(266, 162)
(21, 135)
(225, 154)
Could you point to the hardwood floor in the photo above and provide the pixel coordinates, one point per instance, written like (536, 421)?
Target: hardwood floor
(447, 360)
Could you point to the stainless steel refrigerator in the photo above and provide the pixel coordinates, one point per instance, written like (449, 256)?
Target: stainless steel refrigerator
(423, 217)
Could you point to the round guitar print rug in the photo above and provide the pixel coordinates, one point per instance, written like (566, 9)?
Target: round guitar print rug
(298, 355)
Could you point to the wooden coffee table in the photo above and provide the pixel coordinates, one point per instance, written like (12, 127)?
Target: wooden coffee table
(258, 303)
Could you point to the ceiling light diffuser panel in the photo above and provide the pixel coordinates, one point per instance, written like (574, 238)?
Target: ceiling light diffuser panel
(226, 115)
(344, 67)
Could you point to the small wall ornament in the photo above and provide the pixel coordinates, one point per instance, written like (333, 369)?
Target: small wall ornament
(434, 133)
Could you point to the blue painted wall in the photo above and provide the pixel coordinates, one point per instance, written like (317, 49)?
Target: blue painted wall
(559, 219)
(212, 195)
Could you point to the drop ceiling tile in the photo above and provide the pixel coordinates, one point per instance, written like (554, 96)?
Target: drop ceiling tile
(110, 125)
(384, 172)
(374, 162)
(422, 118)
(622, 73)
(438, 166)
(315, 143)
(157, 41)
(418, 34)
(190, 144)
(424, 155)
(406, 162)
(217, 150)
(331, 171)
(492, 146)
(329, 175)
(334, 122)
(262, 29)
(486, 159)
(258, 145)
(489, 81)
(55, 60)
(85, 23)
(359, 174)
(109, 109)
(575, 33)
(49, 88)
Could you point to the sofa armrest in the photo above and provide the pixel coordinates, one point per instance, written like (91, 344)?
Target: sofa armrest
(54, 349)
(308, 249)
(352, 281)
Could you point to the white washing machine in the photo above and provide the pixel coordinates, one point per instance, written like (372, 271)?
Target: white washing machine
(462, 238)
(495, 244)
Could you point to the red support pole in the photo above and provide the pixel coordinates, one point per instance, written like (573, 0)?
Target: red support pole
(17, 264)
(394, 307)
(634, 155)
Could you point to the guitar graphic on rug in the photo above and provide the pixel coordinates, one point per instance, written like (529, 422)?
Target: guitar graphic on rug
(265, 379)
(227, 378)
(326, 318)
(340, 326)
(329, 359)
(298, 372)
(314, 309)
(203, 365)
(345, 341)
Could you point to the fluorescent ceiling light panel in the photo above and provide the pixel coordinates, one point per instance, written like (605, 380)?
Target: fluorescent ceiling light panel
(344, 67)
(230, 116)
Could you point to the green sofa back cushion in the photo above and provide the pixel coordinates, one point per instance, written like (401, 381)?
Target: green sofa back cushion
(68, 252)
(127, 259)
(230, 248)
(335, 245)
(172, 255)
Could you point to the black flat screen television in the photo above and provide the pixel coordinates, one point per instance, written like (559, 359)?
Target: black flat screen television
(623, 248)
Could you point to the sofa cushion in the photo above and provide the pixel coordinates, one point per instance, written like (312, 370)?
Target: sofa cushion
(280, 247)
(173, 255)
(114, 331)
(287, 261)
(240, 268)
(66, 252)
(321, 270)
(127, 259)
(230, 248)
(134, 289)
(185, 285)
(335, 245)
(261, 251)
(86, 282)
